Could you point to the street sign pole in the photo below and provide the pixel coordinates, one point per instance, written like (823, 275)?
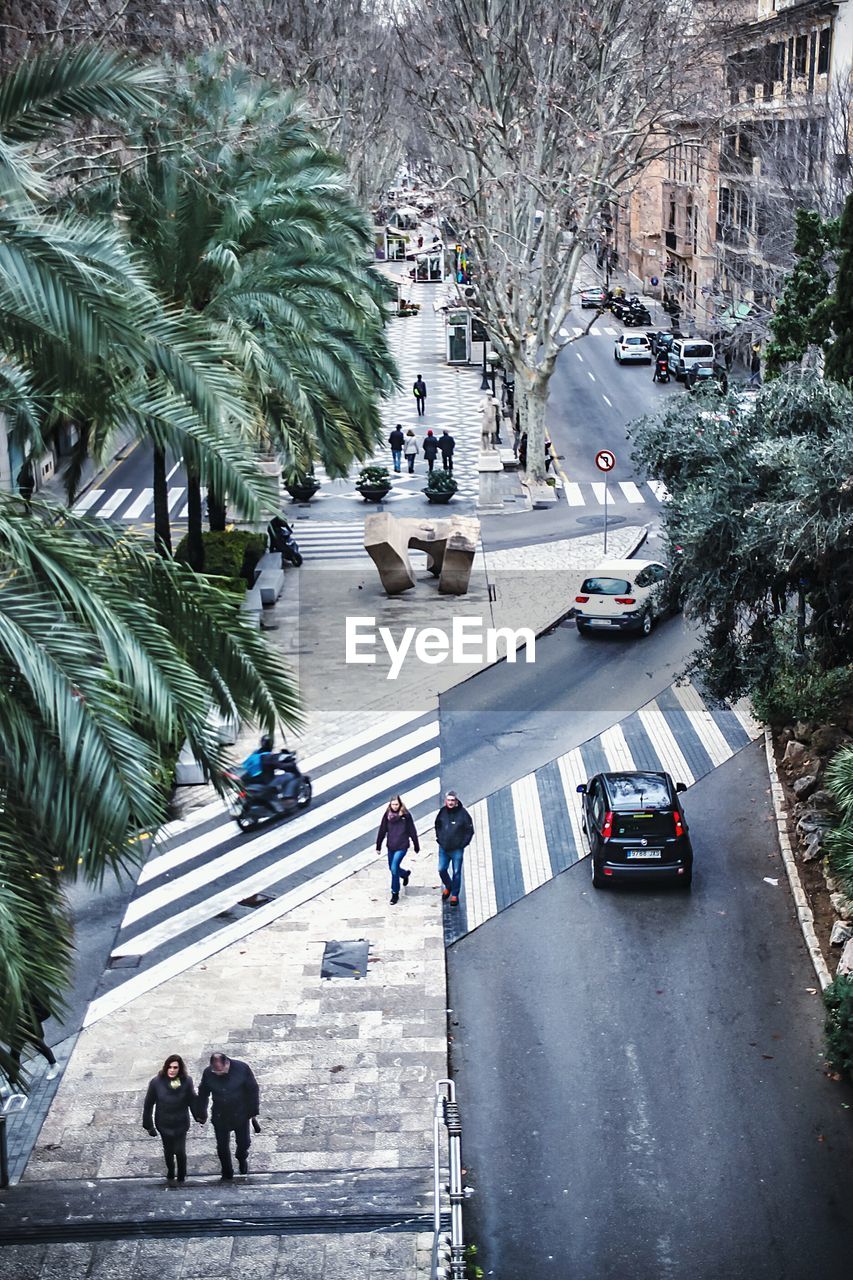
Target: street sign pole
(605, 460)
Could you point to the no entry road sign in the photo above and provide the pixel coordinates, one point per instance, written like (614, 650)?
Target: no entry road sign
(605, 460)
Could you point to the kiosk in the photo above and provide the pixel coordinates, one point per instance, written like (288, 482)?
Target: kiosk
(458, 341)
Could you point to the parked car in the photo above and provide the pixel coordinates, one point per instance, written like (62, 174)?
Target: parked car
(685, 353)
(662, 340)
(593, 298)
(636, 827)
(623, 595)
(633, 346)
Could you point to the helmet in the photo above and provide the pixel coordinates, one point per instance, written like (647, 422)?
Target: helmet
(266, 742)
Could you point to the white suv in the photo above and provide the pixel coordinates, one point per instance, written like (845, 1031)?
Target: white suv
(687, 353)
(622, 595)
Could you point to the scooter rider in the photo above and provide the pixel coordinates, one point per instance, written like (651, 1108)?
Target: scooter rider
(661, 373)
(258, 766)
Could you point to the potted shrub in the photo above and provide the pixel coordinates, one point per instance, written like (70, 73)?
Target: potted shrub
(302, 487)
(373, 483)
(440, 486)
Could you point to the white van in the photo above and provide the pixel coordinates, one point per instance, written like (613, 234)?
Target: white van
(687, 352)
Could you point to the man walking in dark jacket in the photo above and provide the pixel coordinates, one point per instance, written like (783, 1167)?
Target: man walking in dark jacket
(396, 441)
(454, 831)
(447, 444)
(236, 1101)
(419, 392)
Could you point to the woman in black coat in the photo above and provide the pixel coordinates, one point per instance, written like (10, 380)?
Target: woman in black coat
(169, 1102)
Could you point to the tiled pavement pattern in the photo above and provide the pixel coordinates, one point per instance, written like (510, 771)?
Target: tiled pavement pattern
(528, 832)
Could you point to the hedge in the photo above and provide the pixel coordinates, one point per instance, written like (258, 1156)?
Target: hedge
(231, 554)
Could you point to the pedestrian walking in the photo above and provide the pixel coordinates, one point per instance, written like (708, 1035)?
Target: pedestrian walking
(410, 449)
(170, 1101)
(33, 1034)
(420, 393)
(447, 444)
(516, 436)
(430, 448)
(549, 455)
(396, 441)
(454, 831)
(522, 451)
(755, 367)
(233, 1091)
(397, 829)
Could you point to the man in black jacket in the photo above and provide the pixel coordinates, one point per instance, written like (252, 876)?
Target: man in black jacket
(447, 444)
(236, 1101)
(396, 441)
(454, 831)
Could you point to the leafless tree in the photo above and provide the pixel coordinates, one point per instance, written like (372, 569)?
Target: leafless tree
(341, 55)
(545, 112)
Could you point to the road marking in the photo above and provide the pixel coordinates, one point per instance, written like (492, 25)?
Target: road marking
(530, 829)
(707, 730)
(136, 508)
(590, 375)
(663, 741)
(606, 401)
(630, 490)
(564, 333)
(574, 497)
(174, 469)
(116, 498)
(617, 750)
(659, 490)
(577, 331)
(598, 489)
(611, 332)
(572, 772)
(579, 356)
(480, 899)
(88, 500)
(174, 496)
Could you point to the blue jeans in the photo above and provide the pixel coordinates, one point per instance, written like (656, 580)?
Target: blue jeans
(451, 858)
(397, 456)
(395, 858)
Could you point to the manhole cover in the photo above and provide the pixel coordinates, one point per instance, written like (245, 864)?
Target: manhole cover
(345, 959)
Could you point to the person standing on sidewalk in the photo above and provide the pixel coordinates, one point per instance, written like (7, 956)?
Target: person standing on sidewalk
(454, 831)
(420, 393)
(35, 1037)
(410, 449)
(447, 444)
(235, 1097)
(430, 448)
(396, 441)
(398, 829)
(169, 1102)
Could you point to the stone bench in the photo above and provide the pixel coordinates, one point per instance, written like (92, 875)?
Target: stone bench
(252, 605)
(270, 584)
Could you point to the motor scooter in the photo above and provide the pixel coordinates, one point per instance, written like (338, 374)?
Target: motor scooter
(661, 373)
(262, 800)
(281, 539)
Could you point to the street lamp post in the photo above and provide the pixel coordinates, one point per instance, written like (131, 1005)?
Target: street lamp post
(494, 360)
(484, 385)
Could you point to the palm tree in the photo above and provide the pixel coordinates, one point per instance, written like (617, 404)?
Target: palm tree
(247, 221)
(110, 658)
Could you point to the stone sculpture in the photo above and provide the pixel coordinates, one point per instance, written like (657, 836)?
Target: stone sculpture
(450, 545)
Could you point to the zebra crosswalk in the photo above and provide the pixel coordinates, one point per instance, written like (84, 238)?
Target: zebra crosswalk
(530, 831)
(206, 884)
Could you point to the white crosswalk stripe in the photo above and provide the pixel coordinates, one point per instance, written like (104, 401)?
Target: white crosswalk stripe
(139, 504)
(113, 502)
(89, 500)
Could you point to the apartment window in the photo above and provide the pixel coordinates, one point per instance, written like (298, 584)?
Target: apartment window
(823, 47)
(801, 55)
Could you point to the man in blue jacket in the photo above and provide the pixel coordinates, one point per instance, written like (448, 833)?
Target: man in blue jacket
(454, 831)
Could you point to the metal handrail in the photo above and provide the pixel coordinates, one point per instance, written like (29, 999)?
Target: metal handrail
(446, 1113)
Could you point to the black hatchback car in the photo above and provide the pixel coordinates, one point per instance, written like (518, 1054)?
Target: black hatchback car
(636, 828)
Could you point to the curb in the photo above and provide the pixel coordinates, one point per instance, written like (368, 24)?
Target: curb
(804, 911)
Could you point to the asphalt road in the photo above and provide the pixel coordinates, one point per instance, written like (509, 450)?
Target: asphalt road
(640, 1071)
(512, 718)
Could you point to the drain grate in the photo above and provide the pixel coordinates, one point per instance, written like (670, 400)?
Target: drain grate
(345, 959)
(124, 962)
(257, 900)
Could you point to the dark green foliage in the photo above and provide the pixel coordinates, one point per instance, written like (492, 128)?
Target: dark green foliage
(795, 691)
(762, 505)
(374, 475)
(839, 353)
(441, 482)
(800, 320)
(839, 841)
(838, 999)
(232, 554)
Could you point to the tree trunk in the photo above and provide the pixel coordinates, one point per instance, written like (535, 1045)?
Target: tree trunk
(533, 422)
(195, 544)
(162, 528)
(216, 512)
